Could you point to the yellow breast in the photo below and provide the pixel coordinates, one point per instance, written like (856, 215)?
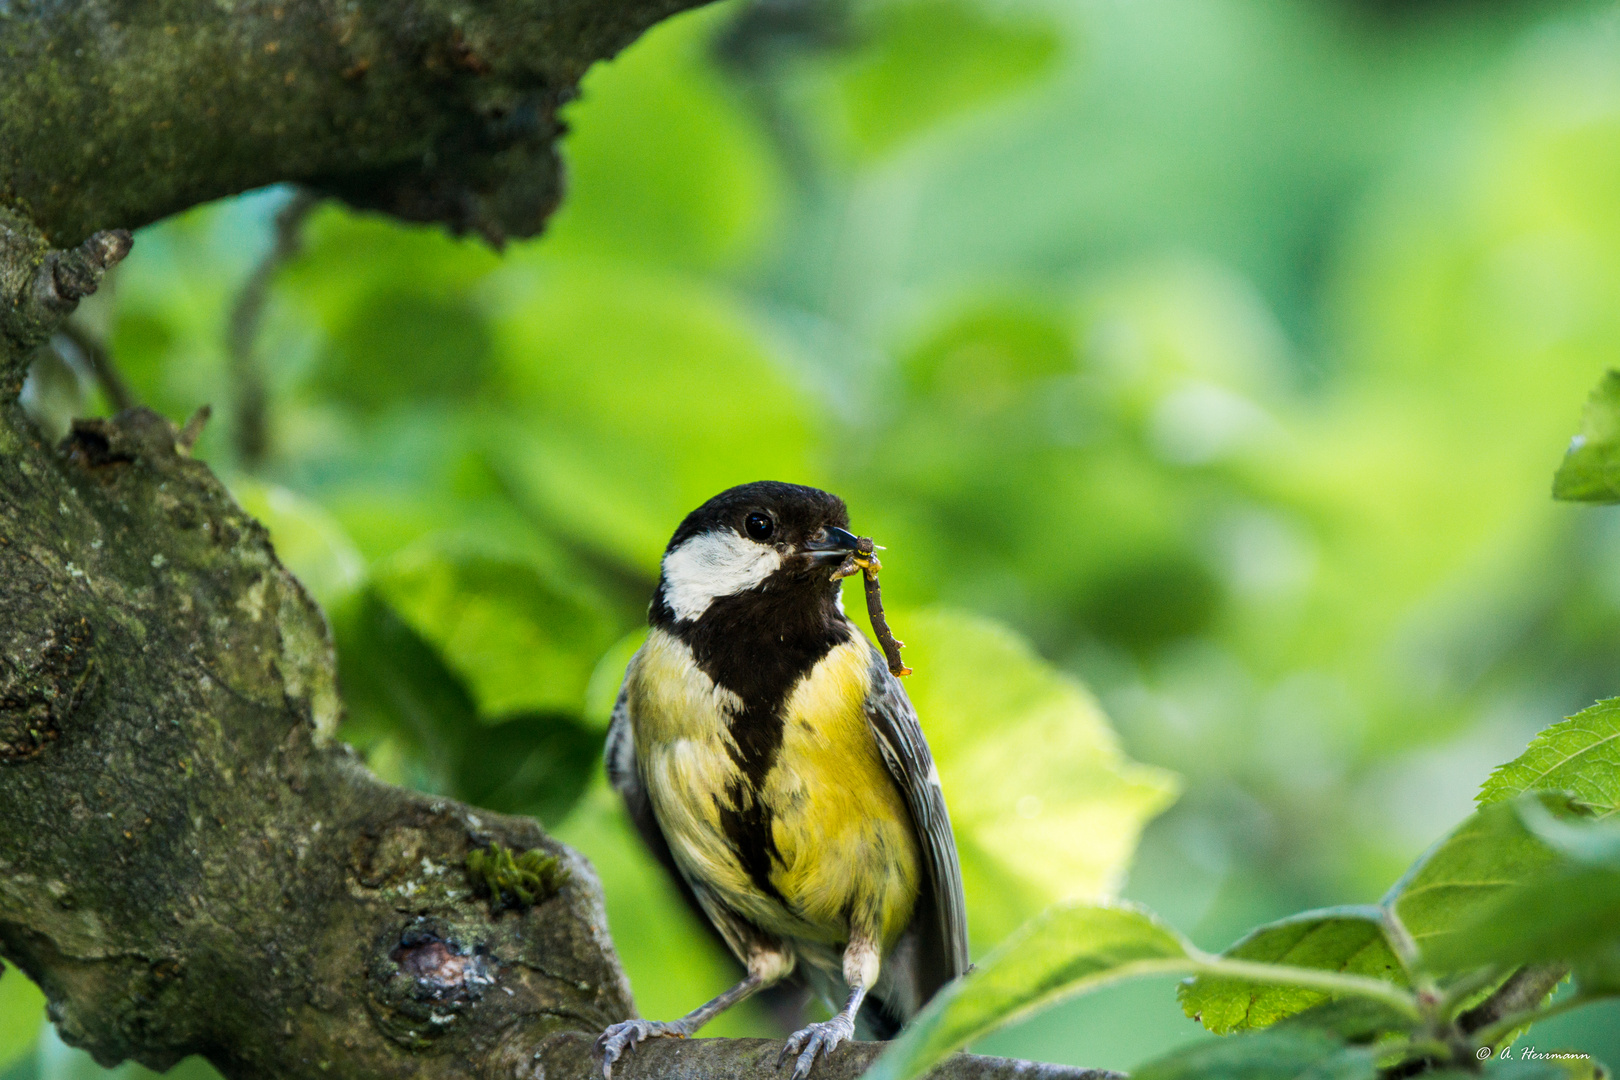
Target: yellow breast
(846, 856)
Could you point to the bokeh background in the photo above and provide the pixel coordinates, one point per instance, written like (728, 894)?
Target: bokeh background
(1203, 364)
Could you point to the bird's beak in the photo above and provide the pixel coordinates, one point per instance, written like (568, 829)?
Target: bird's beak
(830, 545)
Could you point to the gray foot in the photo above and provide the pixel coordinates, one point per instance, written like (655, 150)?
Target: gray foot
(618, 1038)
(817, 1038)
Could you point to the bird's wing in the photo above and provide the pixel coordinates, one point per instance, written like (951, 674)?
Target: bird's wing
(619, 755)
(940, 922)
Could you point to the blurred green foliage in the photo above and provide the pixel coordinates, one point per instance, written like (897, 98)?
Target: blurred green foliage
(1223, 351)
(1534, 881)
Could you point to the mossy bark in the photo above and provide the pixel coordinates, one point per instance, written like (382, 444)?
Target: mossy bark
(114, 113)
(189, 861)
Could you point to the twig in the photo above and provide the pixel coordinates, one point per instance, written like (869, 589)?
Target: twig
(1525, 989)
(102, 366)
(252, 428)
(194, 427)
(865, 557)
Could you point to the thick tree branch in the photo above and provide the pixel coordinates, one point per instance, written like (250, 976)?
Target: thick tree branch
(114, 113)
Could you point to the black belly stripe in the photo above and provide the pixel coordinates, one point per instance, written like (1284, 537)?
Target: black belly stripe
(758, 645)
(748, 828)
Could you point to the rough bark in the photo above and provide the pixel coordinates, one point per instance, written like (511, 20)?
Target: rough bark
(189, 861)
(114, 113)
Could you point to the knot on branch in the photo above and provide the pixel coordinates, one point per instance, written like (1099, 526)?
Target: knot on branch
(40, 286)
(137, 434)
(427, 980)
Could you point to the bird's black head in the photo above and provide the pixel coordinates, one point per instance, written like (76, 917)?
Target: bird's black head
(766, 544)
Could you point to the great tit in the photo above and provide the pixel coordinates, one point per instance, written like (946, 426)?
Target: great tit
(771, 761)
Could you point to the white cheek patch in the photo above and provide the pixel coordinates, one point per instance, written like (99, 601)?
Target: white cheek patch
(713, 565)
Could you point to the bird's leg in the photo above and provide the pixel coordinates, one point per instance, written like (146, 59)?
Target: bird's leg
(764, 968)
(861, 964)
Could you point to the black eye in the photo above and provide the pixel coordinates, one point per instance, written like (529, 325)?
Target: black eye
(759, 527)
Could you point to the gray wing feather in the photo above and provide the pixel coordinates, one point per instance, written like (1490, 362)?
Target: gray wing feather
(942, 947)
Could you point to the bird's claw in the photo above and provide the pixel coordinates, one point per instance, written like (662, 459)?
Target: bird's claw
(618, 1038)
(821, 1038)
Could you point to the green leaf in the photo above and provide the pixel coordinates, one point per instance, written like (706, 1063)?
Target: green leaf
(1598, 972)
(1580, 755)
(602, 693)
(926, 60)
(1446, 890)
(1567, 913)
(404, 342)
(1044, 803)
(1561, 917)
(398, 690)
(712, 405)
(22, 1011)
(406, 704)
(1280, 1054)
(666, 166)
(1346, 939)
(1591, 468)
(1353, 1019)
(520, 629)
(528, 764)
(1068, 950)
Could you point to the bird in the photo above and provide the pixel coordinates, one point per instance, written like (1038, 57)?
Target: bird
(772, 762)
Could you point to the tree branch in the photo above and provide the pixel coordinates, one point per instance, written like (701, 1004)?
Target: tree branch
(115, 114)
(1524, 990)
(251, 422)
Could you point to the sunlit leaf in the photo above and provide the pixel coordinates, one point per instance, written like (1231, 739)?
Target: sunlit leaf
(1070, 949)
(602, 693)
(1280, 1054)
(1045, 805)
(22, 1009)
(1348, 939)
(665, 165)
(711, 406)
(1565, 913)
(925, 60)
(1461, 876)
(1580, 755)
(307, 539)
(519, 630)
(1591, 468)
